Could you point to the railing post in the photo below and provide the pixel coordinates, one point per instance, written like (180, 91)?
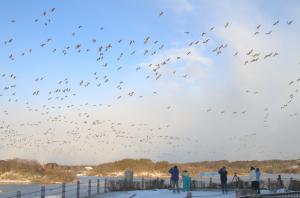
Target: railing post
(269, 184)
(291, 181)
(143, 183)
(42, 191)
(189, 195)
(98, 186)
(210, 182)
(78, 190)
(19, 194)
(89, 190)
(63, 190)
(105, 185)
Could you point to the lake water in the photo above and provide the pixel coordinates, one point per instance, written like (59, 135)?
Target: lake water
(51, 190)
(54, 190)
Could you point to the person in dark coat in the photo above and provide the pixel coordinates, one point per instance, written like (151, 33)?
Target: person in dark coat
(279, 182)
(174, 178)
(223, 178)
(257, 171)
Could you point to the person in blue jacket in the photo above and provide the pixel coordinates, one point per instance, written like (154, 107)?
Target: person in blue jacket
(174, 178)
(186, 181)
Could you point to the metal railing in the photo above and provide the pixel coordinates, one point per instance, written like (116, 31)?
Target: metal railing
(80, 189)
(283, 195)
(89, 188)
(86, 188)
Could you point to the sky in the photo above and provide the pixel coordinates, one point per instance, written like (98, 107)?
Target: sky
(88, 82)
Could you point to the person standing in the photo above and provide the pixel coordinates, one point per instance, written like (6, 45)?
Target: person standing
(186, 181)
(279, 182)
(257, 172)
(174, 178)
(223, 178)
(252, 176)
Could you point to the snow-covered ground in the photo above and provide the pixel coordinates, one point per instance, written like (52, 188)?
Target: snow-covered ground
(164, 194)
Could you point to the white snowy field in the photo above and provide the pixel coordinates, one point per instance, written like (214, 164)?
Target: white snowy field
(164, 194)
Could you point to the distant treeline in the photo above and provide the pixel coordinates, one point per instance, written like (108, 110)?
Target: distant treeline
(32, 171)
(241, 167)
(20, 169)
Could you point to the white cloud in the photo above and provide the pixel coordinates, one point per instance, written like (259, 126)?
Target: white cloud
(182, 6)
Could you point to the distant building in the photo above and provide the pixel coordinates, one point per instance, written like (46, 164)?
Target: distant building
(51, 166)
(128, 176)
(3, 166)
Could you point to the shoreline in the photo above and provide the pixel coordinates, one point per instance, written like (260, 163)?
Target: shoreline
(13, 181)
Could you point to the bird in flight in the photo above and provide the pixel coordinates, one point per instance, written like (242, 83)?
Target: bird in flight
(276, 23)
(226, 25)
(257, 27)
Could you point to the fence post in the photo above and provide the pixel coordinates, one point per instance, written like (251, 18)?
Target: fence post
(210, 182)
(98, 186)
(189, 195)
(63, 190)
(42, 191)
(19, 194)
(89, 190)
(143, 183)
(105, 185)
(78, 190)
(269, 184)
(291, 181)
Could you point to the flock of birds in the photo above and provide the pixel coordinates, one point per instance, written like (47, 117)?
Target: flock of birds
(62, 122)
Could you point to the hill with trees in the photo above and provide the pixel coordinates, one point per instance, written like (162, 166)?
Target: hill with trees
(30, 171)
(34, 172)
(144, 166)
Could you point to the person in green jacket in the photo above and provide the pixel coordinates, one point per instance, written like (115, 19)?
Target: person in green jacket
(186, 181)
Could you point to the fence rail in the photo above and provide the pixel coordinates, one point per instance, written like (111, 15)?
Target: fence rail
(283, 195)
(87, 188)
(77, 190)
